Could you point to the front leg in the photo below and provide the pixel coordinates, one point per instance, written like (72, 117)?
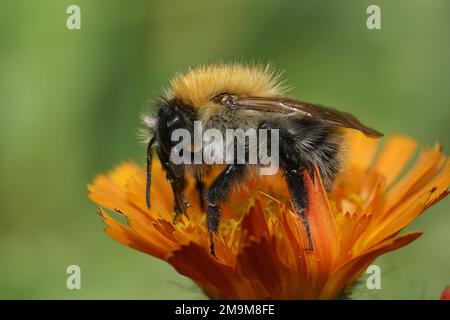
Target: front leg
(176, 178)
(181, 204)
(170, 118)
(217, 193)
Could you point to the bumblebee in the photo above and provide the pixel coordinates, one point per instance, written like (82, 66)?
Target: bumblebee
(238, 96)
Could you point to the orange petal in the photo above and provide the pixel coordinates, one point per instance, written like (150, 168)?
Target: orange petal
(321, 220)
(429, 163)
(395, 154)
(347, 273)
(446, 294)
(292, 231)
(350, 228)
(407, 210)
(128, 237)
(360, 149)
(196, 263)
(325, 255)
(254, 224)
(260, 263)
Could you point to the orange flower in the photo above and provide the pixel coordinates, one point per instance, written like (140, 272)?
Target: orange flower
(261, 243)
(446, 294)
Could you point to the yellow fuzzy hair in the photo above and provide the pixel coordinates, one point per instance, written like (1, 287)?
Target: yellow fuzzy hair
(197, 86)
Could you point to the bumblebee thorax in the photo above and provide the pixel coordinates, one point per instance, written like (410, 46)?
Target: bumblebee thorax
(198, 86)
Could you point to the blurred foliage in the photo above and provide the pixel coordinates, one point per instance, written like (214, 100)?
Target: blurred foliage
(71, 99)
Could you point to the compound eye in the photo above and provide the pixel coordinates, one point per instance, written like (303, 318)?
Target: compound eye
(174, 122)
(164, 110)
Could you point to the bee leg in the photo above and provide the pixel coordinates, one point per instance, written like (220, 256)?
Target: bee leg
(180, 202)
(213, 214)
(200, 186)
(293, 165)
(149, 172)
(175, 176)
(218, 193)
(299, 198)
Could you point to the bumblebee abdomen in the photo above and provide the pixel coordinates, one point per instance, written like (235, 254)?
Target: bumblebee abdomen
(309, 142)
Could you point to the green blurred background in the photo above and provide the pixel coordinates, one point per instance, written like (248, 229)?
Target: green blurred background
(70, 103)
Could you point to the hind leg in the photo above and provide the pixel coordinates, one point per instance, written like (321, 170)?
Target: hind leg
(293, 165)
(217, 193)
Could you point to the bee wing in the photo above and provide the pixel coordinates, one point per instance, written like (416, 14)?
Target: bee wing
(286, 105)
